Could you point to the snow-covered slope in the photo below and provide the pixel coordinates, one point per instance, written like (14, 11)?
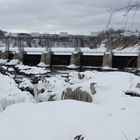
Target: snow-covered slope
(10, 94)
(63, 120)
(112, 115)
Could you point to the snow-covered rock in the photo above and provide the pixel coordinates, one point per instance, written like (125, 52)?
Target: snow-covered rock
(35, 71)
(42, 64)
(13, 62)
(9, 92)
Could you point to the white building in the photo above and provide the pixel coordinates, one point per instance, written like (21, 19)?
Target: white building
(129, 33)
(63, 34)
(35, 34)
(94, 34)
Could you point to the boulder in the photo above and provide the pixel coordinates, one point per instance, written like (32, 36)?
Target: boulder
(77, 94)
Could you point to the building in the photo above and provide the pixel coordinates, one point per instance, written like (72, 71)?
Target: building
(63, 34)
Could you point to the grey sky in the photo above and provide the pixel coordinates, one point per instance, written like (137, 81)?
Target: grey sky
(53, 16)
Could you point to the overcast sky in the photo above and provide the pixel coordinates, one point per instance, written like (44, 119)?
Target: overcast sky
(73, 16)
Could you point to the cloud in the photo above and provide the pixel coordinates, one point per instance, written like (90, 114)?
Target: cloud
(53, 16)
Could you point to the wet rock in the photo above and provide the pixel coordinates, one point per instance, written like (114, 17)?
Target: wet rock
(35, 79)
(51, 97)
(30, 90)
(81, 76)
(42, 90)
(2, 70)
(132, 93)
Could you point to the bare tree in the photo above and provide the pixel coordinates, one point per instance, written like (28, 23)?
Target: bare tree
(132, 5)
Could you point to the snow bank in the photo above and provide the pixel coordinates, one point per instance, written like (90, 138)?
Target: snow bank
(112, 115)
(63, 120)
(9, 92)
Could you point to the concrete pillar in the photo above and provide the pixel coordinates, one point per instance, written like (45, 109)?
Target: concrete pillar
(19, 56)
(107, 59)
(4, 55)
(46, 58)
(138, 62)
(75, 58)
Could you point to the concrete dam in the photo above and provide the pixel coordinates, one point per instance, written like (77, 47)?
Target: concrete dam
(65, 52)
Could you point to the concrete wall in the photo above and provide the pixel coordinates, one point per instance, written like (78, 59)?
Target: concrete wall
(4, 55)
(107, 59)
(138, 62)
(75, 59)
(46, 58)
(18, 56)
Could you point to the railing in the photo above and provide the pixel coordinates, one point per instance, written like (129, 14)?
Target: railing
(126, 53)
(70, 51)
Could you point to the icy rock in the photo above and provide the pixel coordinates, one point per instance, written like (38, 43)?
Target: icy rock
(77, 94)
(81, 76)
(10, 94)
(138, 85)
(51, 97)
(2, 70)
(92, 88)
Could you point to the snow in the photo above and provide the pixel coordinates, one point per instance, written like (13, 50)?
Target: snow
(32, 70)
(72, 66)
(35, 71)
(22, 67)
(127, 51)
(53, 85)
(65, 119)
(9, 92)
(26, 83)
(13, 62)
(3, 61)
(112, 115)
(42, 64)
(11, 69)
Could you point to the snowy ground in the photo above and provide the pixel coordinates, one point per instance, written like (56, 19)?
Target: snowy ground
(112, 115)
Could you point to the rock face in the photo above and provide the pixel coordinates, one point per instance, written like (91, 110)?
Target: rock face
(77, 94)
